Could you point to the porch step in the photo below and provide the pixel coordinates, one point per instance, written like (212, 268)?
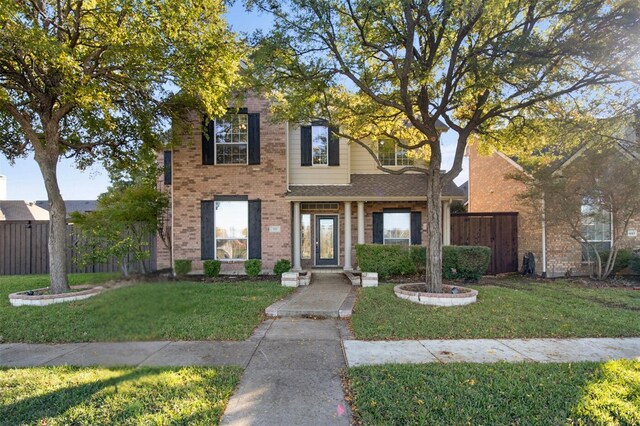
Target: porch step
(327, 270)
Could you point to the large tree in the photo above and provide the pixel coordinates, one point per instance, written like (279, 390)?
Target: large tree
(394, 68)
(96, 79)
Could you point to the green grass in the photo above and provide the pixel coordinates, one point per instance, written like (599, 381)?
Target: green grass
(512, 310)
(150, 311)
(497, 394)
(125, 396)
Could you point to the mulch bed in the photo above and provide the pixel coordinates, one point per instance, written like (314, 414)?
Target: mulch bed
(163, 276)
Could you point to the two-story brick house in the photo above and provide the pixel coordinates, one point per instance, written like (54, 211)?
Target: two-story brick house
(251, 188)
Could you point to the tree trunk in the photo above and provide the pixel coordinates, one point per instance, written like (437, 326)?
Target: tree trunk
(48, 161)
(433, 278)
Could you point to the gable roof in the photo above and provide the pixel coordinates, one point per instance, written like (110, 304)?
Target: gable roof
(373, 187)
(81, 206)
(21, 210)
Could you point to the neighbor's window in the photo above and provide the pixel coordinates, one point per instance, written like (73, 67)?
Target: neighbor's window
(596, 228)
(320, 144)
(397, 228)
(231, 138)
(390, 154)
(305, 236)
(232, 224)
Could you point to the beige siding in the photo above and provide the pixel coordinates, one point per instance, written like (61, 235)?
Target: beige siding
(315, 175)
(362, 162)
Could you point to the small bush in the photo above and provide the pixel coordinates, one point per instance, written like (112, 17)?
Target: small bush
(449, 262)
(281, 266)
(182, 266)
(253, 267)
(472, 261)
(211, 268)
(623, 259)
(634, 263)
(385, 260)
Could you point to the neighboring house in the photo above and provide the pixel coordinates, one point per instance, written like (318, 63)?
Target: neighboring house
(19, 210)
(491, 189)
(251, 188)
(80, 206)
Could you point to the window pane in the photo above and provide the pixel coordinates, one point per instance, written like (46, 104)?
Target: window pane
(402, 159)
(305, 236)
(232, 224)
(232, 134)
(386, 152)
(326, 238)
(320, 144)
(397, 228)
(596, 229)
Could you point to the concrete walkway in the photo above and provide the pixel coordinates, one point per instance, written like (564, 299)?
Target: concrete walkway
(330, 295)
(293, 378)
(489, 350)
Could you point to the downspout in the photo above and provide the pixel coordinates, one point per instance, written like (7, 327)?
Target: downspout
(544, 238)
(286, 131)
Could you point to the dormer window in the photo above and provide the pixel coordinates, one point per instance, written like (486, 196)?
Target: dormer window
(390, 154)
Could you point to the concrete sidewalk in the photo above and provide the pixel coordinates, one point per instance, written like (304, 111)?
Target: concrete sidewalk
(360, 352)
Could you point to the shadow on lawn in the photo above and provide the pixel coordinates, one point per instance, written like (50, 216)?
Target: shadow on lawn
(54, 403)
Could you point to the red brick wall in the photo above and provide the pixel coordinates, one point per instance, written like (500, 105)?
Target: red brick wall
(193, 182)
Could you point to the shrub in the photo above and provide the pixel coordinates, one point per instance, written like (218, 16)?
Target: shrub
(634, 263)
(623, 259)
(385, 260)
(182, 266)
(281, 266)
(211, 268)
(253, 267)
(471, 261)
(449, 262)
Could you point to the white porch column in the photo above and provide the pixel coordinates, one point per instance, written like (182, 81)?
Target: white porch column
(347, 236)
(360, 222)
(296, 236)
(446, 223)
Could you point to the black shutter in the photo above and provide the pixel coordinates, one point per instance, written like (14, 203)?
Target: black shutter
(378, 228)
(208, 142)
(254, 138)
(208, 230)
(334, 147)
(305, 145)
(167, 168)
(416, 228)
(255, 229)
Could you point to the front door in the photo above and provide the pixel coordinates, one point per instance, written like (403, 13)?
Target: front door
(326, 241)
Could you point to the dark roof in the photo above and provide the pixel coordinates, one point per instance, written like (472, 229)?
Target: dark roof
(21, 210)
(81, 206)
(374, 186)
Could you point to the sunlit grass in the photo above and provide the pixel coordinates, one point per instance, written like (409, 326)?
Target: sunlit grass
(141, 312)
(515, 309)
(90, 396)
(497, 394)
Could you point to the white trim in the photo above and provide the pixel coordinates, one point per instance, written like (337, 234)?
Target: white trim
(510, 161)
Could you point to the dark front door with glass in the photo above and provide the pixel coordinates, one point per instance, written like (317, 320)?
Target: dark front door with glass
(326, 241)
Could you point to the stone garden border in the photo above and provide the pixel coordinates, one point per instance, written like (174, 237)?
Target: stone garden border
(24, 299)
(446, 298)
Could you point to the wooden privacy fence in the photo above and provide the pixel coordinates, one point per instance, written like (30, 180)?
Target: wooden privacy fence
(23, 250)
(498, 231)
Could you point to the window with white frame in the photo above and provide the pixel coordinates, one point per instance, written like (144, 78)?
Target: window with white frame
(232, 228)
(231, 139)
(390, 154)
(397, 228)
(596, 228)
(320, 144)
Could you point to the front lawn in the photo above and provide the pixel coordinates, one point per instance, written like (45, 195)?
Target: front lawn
(149, 311)
(512, 309)
(497, 394)
(90, 396)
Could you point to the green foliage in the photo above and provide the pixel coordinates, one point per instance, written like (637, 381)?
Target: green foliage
(583, 393)
(182, 266)
(634, 263)
(253, 267)
(66, 395)
(211, 267)
(623, 259)
(282, 266)
(467, 262)
(386, 260)
(141, 312)
(553, 309)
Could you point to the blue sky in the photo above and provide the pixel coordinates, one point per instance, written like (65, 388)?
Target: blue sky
(24, 181)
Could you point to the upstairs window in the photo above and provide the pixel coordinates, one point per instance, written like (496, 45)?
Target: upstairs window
(231, 139)
(397, 228)
(320, 144)
(390, 154)
(596, 229)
